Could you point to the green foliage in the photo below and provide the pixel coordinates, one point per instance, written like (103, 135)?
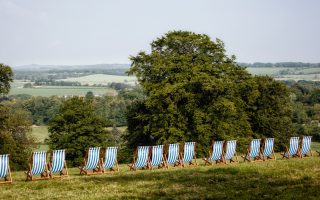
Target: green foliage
(15, 138)
(195, 92)
(42, 109)
(306, 113)
(6, 75)
(76, 127)
(270, 113)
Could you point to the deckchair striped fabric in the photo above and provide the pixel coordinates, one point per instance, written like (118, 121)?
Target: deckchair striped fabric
(268, 148)
(215, 153)
(39, 162)
(306, 145)
(38, 165)
(58, 164)
(173, 153)
(254, 150)
(217, 150)
(58, 160)
(142, 157)
(110, 158)
(5, 168)
(93, 158)
(157, 155)
(293, 150)
(230, 150)
(188, 153)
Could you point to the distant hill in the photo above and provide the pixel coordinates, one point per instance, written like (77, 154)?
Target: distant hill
(281, 64)
(37, 67)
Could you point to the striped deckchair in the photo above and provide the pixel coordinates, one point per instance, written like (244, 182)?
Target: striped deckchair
(268, 149)
(253, 152)
(110, 159)
(5, 172)
(157, 159)
(58, 164)
(189, 153)
(140, 158)
(230, 151)
(293, 150)
(173, 155)
(91, 161)
(215, 153)
(305, 146)
(38, 166)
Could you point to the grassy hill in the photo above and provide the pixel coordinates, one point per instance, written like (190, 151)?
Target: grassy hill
(280, 179)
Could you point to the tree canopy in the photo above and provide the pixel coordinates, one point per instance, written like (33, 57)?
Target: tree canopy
(6, 75)
(77, 127)
(194, 91)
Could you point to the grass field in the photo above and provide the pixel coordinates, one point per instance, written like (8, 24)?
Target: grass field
(103, 79)
(47, 91)
(265, 70)
(280, 179)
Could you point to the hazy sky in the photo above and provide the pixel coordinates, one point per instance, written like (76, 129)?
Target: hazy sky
(102, 31)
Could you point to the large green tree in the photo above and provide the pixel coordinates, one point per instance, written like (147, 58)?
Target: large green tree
(193, 91)
(77, 127)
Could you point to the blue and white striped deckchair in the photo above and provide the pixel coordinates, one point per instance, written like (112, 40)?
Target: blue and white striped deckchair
(189, 153)
(58, 164)
(110, 159)
(173, 157)
(215, 153)
(306, 146)
(91, 161)
(38, 166)
(293, 150)
(253, 151)
(268, 149)
(230, 151)
(140, 158)
(157, 159)
(5, 169)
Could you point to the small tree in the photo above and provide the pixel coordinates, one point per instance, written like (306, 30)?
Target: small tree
(6, 76)
(76, 127)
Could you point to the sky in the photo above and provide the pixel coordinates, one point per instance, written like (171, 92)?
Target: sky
(79, 32)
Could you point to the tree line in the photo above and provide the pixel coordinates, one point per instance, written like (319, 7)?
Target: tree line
(190, 90)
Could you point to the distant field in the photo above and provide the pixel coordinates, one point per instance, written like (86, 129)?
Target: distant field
(40, 133)
(265, 70)
(46, 91)
(309, 74)
(307, 77)
(103, 79)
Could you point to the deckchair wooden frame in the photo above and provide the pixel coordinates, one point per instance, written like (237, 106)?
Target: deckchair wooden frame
(103, 160)
(85, 171)
(300, 152)
(166, 159)
(210, 152)
(286, 155)
(132, 166)
(8, 178)
(234, 156)
(162, 164)
(43, 176)
(65, 168)
(247, 156)
(262, 150)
